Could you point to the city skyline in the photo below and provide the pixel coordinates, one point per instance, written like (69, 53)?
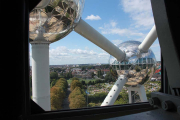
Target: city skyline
(118, 21)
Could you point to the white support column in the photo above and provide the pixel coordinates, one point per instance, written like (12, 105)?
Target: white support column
(142, 94)
(130, 96)
(115, 90)
(40, 74)
(140, 89)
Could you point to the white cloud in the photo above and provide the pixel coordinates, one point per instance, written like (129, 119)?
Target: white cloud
(80, 51)
(113, 23)
(92, 17)
(63, 55)
(117, 42)
(140, 11)
(103, 55)
(112, 28)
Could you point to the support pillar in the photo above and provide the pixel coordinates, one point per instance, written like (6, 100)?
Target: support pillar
(40, 74)
(142, 93)
(115, 90)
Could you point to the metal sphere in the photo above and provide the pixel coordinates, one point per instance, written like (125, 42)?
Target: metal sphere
(56, 20)
(138, 68)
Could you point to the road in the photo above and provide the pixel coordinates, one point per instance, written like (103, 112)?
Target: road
(65, 104)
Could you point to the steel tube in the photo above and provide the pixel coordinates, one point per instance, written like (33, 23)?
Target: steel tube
(95, 37)
(148, 41)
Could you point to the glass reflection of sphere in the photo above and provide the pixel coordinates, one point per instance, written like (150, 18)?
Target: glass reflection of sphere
(55, 20)
(137, 69)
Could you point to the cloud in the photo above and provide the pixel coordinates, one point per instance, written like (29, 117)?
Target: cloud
(103, 55)
(113, 23)
(63, 53)
(140, 11)
(92, 17)
(117, 42)
(80, 51)
(58, 52)
(112, 28)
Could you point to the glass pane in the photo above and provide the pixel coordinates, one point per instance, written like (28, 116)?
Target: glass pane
(80, 74)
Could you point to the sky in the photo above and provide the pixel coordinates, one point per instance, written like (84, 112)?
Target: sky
(117, 20)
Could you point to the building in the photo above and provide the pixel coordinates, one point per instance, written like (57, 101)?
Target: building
(146, 60)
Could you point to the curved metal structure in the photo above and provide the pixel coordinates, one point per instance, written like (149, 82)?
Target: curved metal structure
(56, 19)
(137, 68)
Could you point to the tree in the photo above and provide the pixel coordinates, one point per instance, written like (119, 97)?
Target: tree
(57, 69)
(123, 98)
(89, 83)
(83, 68)
(114, 73)
(109, 78)
(77, 98)
(74, 84)
(83, 82)
(97, 97)
(99, 73)
(92, 74)
(78, 102)
(93, 83)
(53, 75)
(58, 93)
(68, 75)
(91, 105)
(75, 78)
(53, 82)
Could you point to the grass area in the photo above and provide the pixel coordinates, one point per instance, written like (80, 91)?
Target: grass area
(80, 79)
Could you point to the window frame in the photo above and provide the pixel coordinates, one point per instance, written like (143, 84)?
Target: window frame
(28, 111)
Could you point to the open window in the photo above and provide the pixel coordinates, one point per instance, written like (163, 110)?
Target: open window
(33, 111)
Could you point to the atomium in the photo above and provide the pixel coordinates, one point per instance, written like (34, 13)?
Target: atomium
(138, 68)
(55, 20)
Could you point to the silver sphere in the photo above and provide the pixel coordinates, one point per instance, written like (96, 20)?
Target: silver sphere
(55, 20)
(138, 68)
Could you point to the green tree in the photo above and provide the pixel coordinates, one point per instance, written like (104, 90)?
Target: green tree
(91, 105)
(53, 82)
(75, 78)
(78, 102)
(74, 84)
(109, 78)
(58, 93)
(89, 83)
(53, 75)
(83, 82)
(92, 74)
(77, 98)
(99, 73)
(93, 83)
(114, 73)
(83, 68)
(122, 98)
(97, 97)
